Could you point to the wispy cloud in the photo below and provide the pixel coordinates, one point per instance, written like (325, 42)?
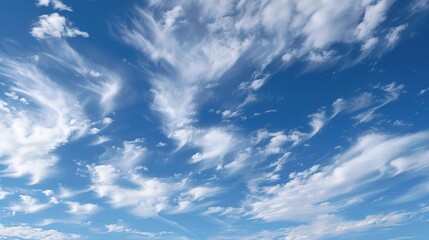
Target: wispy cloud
(104, 82)
(190, 61)
(29, 204)
(331, 226)
(372, 158)
(29, 138)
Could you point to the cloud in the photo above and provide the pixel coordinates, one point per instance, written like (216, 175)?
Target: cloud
(4, 194)
(29, 138)
(306, 29)
(150, 197)
(55, 26)
(101, 140)
(57, 4)
(423, 91)
(28, 204)
(392, 92)
(216, 143)
(102, 81)
(126, 157)
(331, 225)
(419, 6)
(393, 35)
(121, 228)
(171, 16)
(27, 232)
(200, 193)
(82, 209)
(414, 193)
(367, 104)
(319, 190)
(374, 15)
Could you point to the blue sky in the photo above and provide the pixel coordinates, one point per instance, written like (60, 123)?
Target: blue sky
(294, 119)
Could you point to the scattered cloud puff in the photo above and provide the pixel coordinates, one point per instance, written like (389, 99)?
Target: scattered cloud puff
(57, 4)
(394, 34)
(55, 26)
(423, 91)
(82, 209)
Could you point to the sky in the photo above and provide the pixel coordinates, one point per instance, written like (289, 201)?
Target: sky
(228, 119)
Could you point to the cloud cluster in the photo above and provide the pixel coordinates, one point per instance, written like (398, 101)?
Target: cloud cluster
(55, 26)
(26, 232)
(57, 4)
(184, 63)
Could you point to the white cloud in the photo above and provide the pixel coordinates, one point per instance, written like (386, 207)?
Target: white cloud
(320, 57)
(393, 35)
(28, 204)
(161, 144)
(423, 91)
(102, 81)
(27, 232)
(227, 114)
(28, 137)
(200, 193)
(101, 140)
(11, 95)
(121, 228)
(4, 194)
(310, 193)
(374, 15)
(57, 4)
(93, 131)
(150, 197)
(419, 5)
(392, 93)
(259, 81)
(331, 225)
(55, 26)
(227, 32)
(239, 161)
(265, 112)
(107, 121)
(82, 209)
(94, 74)
(126, 157)
(276, 143)
(215, 143)
(369, 44)
(171, 16)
